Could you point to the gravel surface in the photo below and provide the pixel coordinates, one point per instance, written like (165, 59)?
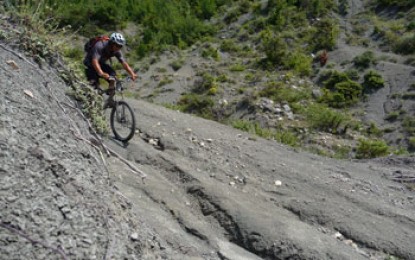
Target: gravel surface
(56, 196)
(211, 192)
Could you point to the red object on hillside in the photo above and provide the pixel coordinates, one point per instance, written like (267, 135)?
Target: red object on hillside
(323, 58)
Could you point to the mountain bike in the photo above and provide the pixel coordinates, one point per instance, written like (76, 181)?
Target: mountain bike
(122, 117)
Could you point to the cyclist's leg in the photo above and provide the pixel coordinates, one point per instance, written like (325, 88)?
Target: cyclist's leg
(92, 77)
(111, 84)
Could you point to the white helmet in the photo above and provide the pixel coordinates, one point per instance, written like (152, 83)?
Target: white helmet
(117, 38)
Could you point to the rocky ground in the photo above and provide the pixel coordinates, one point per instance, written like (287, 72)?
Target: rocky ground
(211, 191)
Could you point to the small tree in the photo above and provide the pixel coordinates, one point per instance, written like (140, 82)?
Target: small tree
(340, 90)
(364, 60)
(274, 47)
(373, 81)
(367, 149)
(326, 34)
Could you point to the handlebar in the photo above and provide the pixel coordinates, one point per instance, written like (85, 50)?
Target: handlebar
(113, 78)
(118, 82)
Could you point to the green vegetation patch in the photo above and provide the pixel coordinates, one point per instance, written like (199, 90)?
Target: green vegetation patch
(367, 149)
(373, 81)
(326, 119)
(163, 22)
(280, 135)
(196, 104)
(364, 60)
(409, 124)
(279, 92)
(340, 91)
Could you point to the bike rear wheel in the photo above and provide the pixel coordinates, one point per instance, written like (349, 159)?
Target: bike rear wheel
(122, 121)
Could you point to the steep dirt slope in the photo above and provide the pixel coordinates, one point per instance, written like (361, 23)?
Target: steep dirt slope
(241, 195)
(56, 198)
(212, 192)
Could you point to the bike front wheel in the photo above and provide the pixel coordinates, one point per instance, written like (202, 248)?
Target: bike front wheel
(122, 121)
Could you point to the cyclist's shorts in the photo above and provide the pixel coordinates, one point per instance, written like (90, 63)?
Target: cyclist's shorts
(92, 75)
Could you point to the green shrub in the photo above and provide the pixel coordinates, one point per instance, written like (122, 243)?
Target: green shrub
(205, 9)
(91, 106)
(250, 77)
(364, 60)
(393, 116)
(243, 125)
(164, 81)
(282, 136)
(352, 74)
(341, 152)
(232, 16)
(222, 78)
(410, 26)
(277, 10)
(406, 45)
(409, 124)
(299, 62)
(73, 53)
(196, 104)
(367, 149)
(325, 119)
(286, 137)
(244, 6)
(161, 70)
(253, 128)
(373, 81)
(212, 91)
(278, 92)
(340, 91)
(317, 8)
(207, 82)
(326, 34)
(373, 130)
(177, 64)
(210, 52)
(332, 77)
(274, 47)
(237, 67)
(229, 45)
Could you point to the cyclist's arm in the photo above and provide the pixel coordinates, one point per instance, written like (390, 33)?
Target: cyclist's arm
(129, 70)
(98, 69)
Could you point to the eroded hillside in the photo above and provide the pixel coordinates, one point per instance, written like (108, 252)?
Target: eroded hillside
(211, 192)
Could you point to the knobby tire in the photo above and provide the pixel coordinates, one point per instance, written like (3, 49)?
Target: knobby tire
(118, 116)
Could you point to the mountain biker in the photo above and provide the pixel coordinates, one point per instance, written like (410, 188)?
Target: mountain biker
(96, 66)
